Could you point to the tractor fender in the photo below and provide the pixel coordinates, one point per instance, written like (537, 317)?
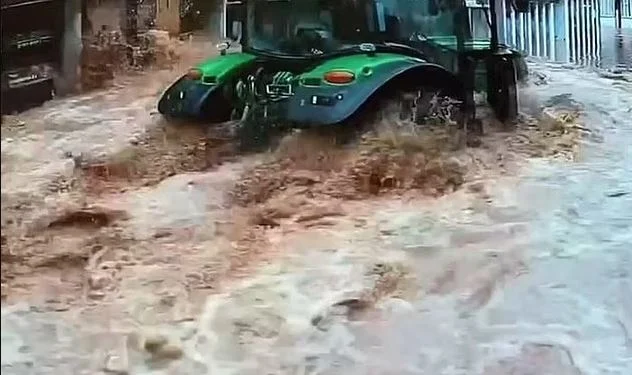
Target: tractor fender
(332, 104)
(204, 99)
(185, 98)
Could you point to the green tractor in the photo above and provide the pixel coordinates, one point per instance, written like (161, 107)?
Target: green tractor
(326, 63)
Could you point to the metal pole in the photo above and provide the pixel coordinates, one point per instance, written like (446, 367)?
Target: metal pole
(591, 28)
(576, 30)
(512, 22)
(617, 13)
(529, 18)
(224, 31)
(585, 31)
(503, 12)
(553, 28)
(537, 30)
(568, 28)
(521, 33)
(598, 36)
(494, 26)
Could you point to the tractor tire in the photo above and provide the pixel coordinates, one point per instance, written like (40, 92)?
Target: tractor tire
(502, 93)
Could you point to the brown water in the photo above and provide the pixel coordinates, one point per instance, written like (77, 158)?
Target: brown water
(527, 274)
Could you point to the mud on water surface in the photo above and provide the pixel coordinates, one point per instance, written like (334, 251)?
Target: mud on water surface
(304, 182)
(142, 236)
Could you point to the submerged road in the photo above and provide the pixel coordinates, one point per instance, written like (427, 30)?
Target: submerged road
(571, 312)
(566, 310)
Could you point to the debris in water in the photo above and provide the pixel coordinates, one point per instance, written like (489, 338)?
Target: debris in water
(162, 348)
(116, 365)
(375, 166)
(319, 212)
(93, 217)
(387, 278)
(617, 194)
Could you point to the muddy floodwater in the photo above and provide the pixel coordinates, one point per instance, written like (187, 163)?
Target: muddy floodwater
(513, 273)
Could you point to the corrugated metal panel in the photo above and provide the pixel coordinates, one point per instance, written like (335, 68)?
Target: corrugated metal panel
(565, 30)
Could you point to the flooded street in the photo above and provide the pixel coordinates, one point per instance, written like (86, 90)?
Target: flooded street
(524, 270)
(533, 280)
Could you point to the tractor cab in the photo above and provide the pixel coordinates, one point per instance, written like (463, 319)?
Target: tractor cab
(458, 35)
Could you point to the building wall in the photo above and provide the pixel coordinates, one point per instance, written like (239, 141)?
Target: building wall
(163, 14)
(608, 8)
(168, 15)
(109, 13)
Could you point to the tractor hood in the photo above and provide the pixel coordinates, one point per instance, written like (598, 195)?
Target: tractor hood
(363, 66)
(217, 69)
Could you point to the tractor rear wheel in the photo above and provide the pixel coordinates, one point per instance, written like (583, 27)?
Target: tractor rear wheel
(422, 109)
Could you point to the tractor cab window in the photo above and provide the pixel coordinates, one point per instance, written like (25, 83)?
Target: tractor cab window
(433, 19)
(437, 21)
(479, 19)
(415, 20)
(307, 27)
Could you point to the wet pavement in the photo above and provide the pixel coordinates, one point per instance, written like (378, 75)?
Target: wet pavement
(533, 277)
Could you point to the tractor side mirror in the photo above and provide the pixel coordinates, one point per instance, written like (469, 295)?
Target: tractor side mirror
(521, 6)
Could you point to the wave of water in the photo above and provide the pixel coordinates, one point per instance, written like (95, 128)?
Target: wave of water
(538, 280)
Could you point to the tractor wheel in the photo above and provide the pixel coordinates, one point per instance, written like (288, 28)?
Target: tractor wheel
(502, 92)
(421, 107)
(436, 106)
(256, 132)
(412, 112)
(407, 111)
